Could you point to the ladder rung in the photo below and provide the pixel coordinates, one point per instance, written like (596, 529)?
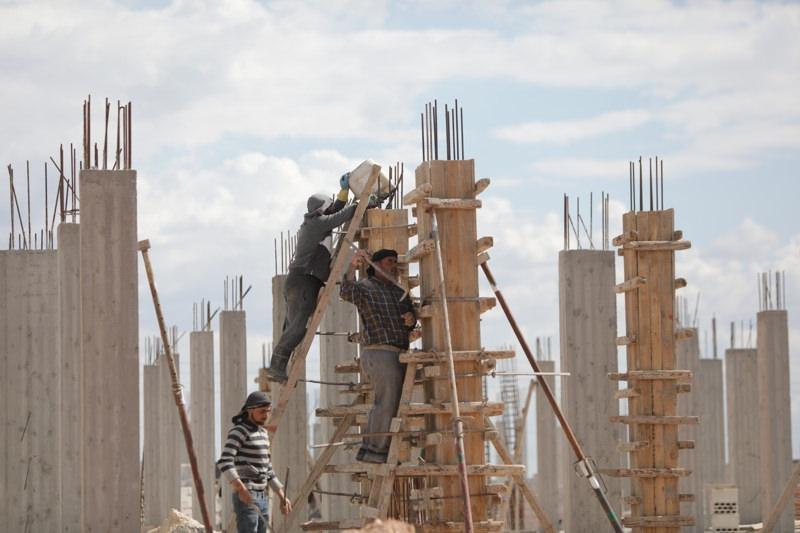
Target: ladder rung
(426, 470)
(351, 367)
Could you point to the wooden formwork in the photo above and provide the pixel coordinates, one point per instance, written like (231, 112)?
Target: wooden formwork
(648, 244)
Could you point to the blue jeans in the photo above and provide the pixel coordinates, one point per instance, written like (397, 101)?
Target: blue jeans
(247, 518)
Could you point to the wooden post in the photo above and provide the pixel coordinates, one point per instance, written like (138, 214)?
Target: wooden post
(649, 310)
(453, 180)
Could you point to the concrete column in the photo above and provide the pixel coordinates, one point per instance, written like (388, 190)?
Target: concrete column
(170, 440)
(339, 317)
(30, 392)
(233, 385)
(154, 513)
(741, 378)
(70, 420)
(775, 423)
(588, 329)
(687, 353)
(290, 444)
(201, 414)
(546, 439)
(110, 345)
(711, 450)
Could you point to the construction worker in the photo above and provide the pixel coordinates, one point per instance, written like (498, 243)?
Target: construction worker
(388, 317)
(308, 271)
(246, 464)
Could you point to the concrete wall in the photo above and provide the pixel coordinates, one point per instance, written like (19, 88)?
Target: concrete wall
(201, 415)
(110, 344)
(546, 443)
(741, 378)
(71, 423)
(340, 316)
(30, 391)
(588, 329)
(775, 424)
(233, 384)
(154, 511)
(290, 444)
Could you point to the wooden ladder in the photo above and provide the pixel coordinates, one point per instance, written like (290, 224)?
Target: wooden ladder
(339, 264)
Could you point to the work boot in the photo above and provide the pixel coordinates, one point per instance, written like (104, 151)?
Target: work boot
(277, 368)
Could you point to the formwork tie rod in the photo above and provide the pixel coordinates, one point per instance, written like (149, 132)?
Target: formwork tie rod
(144, 247)
(585, 465)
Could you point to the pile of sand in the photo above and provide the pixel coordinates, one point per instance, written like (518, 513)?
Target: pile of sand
(178, 522)
(389, 526)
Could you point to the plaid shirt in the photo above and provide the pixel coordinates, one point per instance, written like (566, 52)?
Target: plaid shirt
(381, 310)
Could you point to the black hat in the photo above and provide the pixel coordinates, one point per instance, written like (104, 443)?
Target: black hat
(256, 399)
(383, 253)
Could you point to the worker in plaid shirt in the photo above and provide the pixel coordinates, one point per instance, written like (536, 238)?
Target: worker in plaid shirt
(387, 317)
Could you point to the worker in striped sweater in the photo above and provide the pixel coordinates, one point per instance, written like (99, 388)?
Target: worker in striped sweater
(247, 465)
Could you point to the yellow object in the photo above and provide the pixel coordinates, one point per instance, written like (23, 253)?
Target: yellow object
(342, 196)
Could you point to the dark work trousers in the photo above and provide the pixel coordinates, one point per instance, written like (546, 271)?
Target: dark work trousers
(385, 374)
(300, 293)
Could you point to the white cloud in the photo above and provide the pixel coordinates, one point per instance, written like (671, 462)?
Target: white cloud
(566, 131)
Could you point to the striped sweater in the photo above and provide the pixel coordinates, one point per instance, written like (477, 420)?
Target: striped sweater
(246, 456)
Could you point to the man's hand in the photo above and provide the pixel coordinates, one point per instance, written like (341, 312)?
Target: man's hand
(414, 335)
(359, 258)
(241, 490)
(286, 504)
(409, 319)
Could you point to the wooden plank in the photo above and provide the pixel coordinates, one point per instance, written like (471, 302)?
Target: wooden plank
(460, 355)
(481, 185)
(630, 284)
(419, 251)
(673, 521)
(430, 469)
(658, 246)
(340, 263)
(644, 419)
(417, 194)
(650, 375)
(646, 472)
(449, 203)
(484, 243)
(484, 408)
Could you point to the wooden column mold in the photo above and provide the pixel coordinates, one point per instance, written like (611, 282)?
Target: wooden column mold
(649, 307)
(453, 180)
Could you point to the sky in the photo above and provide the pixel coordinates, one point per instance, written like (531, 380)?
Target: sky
(241, 109)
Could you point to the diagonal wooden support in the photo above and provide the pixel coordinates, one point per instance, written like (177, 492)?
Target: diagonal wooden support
(494, 438)
(299, 503)
(381, 491)
(337, 270)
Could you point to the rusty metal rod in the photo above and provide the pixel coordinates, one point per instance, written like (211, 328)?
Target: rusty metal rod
(144, 247)
(593, 477)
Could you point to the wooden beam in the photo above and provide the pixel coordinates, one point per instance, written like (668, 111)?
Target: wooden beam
(449, 203)
(484, 243)
(419, 251)
(630, 285)
(481, 185)
(415, 195)
(460, 355)
(645, 472)
(658, 521)
(650, 375)
(644, 419)
(786, 495)
(625, 341)
(657, 246)
(487, 303)
(625, 237)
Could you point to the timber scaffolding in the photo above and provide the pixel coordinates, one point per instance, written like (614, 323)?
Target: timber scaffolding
(423, 480)
(648, 244)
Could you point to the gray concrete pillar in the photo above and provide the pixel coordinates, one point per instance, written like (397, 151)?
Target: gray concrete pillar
(201, 414)
(588, 331)
(110, 345)
(340, 317)
(775, 423)
(71, 423)
(687, 354)
(171, 442)
(741, 379)
(154, 513)
(547, 471)
(290, 444)
(710, 407)
(233, 386)
(31, 499)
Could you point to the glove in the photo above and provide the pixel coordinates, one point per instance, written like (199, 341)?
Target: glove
(344, 181)
(374, 201)
(342, 195)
